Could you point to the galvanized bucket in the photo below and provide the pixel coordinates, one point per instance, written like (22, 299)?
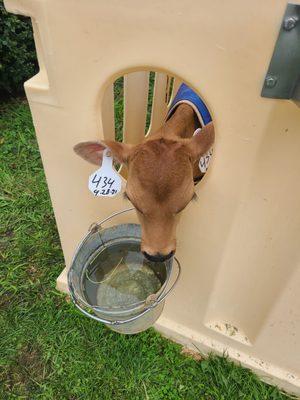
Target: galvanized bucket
(95, 262)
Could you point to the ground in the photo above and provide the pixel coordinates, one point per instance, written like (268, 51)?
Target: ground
(48, 350)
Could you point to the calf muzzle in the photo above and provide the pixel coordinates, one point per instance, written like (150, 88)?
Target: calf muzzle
(158, 257)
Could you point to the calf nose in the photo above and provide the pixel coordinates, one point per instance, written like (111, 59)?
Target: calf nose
(158, 257)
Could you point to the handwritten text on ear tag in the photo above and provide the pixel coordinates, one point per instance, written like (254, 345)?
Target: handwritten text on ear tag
(205, 158)
(105, 181)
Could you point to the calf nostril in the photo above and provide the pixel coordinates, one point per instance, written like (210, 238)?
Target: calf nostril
(149, 256)
(158, 257)
(170, 255)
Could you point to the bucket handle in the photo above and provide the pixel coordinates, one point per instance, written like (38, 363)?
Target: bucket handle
(96, 225)
(120, 322)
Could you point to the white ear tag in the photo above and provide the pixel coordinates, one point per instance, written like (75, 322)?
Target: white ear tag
(205, 159)
(105, 181)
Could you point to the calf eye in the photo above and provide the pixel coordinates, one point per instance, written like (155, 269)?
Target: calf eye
(194, 198)
(125, 195)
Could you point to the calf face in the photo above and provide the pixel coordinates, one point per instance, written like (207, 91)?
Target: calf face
(160, 182)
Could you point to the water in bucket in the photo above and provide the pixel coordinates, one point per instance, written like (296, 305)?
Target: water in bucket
(119, 276)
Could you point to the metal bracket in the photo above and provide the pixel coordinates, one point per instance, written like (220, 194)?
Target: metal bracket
(283, 77)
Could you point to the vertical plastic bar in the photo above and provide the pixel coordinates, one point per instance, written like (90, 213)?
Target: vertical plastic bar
(136, 86)
(176, 84)
(160, 102)
(108, 118)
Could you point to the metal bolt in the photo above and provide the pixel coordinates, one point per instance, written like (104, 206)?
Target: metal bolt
(290, 23)
(94, 227)
(271, 81)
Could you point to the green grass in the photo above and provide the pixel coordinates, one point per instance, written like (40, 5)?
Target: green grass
(48, 350)
(119, 107)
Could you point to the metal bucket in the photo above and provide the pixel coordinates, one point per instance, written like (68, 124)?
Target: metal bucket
(97, 264)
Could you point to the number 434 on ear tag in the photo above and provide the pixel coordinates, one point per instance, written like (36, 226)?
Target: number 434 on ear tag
(105, 181)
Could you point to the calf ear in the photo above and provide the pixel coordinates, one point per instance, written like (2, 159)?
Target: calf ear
(90, 151)
(200, 143)
(93, 151)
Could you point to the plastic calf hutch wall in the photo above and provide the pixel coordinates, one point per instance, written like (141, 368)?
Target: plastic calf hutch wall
(239, 245)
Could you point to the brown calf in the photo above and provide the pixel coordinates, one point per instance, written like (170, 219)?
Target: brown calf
(161, 174)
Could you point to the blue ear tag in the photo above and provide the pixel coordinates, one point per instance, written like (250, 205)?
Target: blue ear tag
(105, 182)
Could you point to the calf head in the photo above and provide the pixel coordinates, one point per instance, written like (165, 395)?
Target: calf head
(159, 184)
